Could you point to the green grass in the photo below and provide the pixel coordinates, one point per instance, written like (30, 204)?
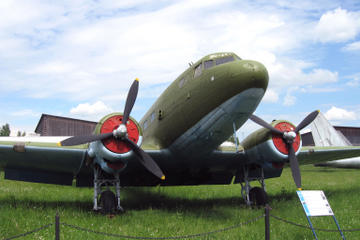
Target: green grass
(173, 211)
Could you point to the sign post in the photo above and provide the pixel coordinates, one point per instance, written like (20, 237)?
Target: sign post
(315, 204)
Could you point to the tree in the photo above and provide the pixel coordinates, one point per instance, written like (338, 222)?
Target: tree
(21, 134)
(5, 130)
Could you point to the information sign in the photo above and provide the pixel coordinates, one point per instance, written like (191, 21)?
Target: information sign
(315, 203)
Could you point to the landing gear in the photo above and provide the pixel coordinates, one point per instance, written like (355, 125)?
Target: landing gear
(258, 197)
(253, 196)
(109, 202)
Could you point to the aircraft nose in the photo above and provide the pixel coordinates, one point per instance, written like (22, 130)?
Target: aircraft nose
(250, 74)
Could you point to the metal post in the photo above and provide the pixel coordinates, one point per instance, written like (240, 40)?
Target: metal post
(311, 226)
(247, 185)
(267, 222)
(57, 226)
(338, 226)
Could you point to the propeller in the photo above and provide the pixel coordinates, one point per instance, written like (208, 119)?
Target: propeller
(121, 134)
(288, 138)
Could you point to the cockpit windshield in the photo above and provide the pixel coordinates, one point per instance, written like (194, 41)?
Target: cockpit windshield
(224, 60)
(215, 60)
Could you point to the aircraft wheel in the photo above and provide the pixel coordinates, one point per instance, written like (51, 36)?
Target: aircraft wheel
(108, 202)
(258, 196)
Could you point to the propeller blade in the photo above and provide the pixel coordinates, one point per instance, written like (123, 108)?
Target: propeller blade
(146, 160)
(309, 118)
(265, 124)
(77, 140)
(130, 100)
(294, 165)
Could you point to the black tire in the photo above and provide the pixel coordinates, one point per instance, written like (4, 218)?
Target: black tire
(258, 196)
(108, 202)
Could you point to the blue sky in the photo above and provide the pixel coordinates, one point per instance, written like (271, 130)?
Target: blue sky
(78, 58)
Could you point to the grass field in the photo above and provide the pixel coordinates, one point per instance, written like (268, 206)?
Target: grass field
(173, 211)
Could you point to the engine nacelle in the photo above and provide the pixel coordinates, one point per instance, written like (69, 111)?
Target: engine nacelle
(263, 146)
(112, 154)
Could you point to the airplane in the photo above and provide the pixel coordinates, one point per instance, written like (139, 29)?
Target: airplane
(177, 142)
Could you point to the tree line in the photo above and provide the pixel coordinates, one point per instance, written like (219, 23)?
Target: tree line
(5, 131)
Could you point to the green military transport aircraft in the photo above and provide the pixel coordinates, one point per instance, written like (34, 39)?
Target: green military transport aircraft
(179, 137)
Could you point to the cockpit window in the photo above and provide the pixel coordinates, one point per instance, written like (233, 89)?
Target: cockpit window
(208, 64)
(198, 70)
(224, 60)
(153, 116)
(146, 123)
(181, 82)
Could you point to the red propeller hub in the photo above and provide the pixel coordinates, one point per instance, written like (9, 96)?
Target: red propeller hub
(280, 143)
(116, 145)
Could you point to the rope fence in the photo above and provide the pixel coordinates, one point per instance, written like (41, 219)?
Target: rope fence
(317, 229)
(30, 232)
(267, 215)
(175, 237)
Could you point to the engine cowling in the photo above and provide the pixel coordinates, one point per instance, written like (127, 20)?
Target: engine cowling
(113, 153)
(263, 147)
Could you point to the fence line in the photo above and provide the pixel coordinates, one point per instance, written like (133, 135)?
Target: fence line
(317, 229)
(175, 237)
(30, 232)
(58, 223)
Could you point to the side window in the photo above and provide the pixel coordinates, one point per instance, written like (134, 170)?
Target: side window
(208, 64)
(146, 123)
(224, 60)
(181, 82)
(198, 71)
(153, 116)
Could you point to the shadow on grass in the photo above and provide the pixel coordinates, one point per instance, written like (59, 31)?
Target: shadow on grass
(133, 199)
(143, 199)
(140, 198)
(12, 202)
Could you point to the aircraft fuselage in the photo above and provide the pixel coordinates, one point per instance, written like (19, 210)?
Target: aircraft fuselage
(200, 107)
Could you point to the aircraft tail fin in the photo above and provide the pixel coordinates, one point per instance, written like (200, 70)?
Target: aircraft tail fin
(325, 135)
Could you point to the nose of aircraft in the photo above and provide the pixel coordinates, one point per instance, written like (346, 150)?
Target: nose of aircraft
(249, 74)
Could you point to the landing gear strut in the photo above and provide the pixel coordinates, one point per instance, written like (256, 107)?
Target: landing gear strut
(109, 202)
(253, 196)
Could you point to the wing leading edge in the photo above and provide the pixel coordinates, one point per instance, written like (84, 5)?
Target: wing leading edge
(42, 162)
(311, 155)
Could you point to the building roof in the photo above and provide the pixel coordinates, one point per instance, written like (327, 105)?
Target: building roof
(51, 125)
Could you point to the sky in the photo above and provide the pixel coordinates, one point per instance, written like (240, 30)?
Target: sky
(78, 58)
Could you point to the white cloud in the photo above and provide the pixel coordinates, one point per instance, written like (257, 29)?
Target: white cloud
(91, 111)
(286, 72)
(355, 46)
(337, 114)
(85, 50)
(338, 25)
(289, 100)
(271, 96)
(354, 82)
(320, 76)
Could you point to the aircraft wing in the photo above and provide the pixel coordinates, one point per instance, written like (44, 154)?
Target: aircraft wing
(40, 160)
(311, 155)
(44, 161)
